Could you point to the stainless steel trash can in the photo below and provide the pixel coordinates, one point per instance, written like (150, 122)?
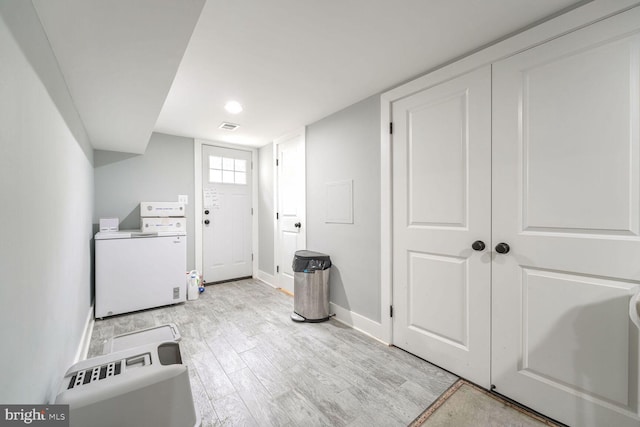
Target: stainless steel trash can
(310, 286)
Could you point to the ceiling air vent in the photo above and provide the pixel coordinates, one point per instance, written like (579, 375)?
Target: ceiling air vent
(228, 126)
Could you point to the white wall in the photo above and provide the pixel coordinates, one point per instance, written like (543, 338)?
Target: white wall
(46, 188)
(164, 171)
(266, 210)
(346, 146)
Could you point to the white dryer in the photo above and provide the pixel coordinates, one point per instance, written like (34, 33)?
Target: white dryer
(136, 270)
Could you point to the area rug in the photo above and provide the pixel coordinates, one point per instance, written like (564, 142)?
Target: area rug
(465, 404)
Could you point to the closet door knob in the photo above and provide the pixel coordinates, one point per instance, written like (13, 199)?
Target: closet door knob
(297, 225)
(502, 248)
(478, 245)
(206, 221)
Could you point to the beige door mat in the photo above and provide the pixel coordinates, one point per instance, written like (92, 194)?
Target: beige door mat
(465, 404)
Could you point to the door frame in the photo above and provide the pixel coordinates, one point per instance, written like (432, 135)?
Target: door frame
(303, 232)
(555, 27)
(197, 168)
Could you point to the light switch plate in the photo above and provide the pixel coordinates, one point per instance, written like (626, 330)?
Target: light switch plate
(183, 198)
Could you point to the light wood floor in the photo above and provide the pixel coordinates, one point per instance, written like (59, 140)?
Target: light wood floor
(250, 365)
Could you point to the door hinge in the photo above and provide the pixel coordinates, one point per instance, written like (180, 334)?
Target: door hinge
(251, 257)
(390, 128)
(277, 269)
(277, 215)
(251, 211)
(252, 165)
(277, 162)
(390, 311)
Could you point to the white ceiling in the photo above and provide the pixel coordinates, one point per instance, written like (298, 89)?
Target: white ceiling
(289, 62)
(118, 58)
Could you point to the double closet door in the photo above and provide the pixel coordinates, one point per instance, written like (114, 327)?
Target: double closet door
(516, 224)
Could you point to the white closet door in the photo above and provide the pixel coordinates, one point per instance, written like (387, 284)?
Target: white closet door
(441, 190)
(566, 199)
(291, 233)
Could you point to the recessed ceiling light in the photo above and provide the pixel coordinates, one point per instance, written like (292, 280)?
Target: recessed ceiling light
(233, 107)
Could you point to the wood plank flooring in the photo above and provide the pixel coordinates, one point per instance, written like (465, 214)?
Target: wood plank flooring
(250, 365)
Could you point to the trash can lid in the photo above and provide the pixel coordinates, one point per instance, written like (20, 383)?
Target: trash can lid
(309, 261)
(304, 254)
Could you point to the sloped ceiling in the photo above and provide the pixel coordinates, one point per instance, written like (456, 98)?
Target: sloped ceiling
(289, 62)
(119, 58)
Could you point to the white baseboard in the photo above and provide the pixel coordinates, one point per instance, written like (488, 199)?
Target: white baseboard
(83, 348)
(349, 318)
(358, 322)
(266, 278)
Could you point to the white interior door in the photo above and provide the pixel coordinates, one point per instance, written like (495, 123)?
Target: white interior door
(566, 199)
(291, 230)
(441, 190)
(226, 213)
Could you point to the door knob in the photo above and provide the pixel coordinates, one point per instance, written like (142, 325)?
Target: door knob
(206, 212)
(297, 225)
(478, 245)
(502, 248)
(206, 221)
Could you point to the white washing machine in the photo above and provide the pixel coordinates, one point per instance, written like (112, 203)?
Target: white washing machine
(136, 270)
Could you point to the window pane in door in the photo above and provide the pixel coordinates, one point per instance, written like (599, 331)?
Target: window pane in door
(215, 162)
(241, 177)
(227, 177)
(215, 175)
(241, 165)
(227, 164)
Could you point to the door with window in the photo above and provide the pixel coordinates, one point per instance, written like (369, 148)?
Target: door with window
(226, 215)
